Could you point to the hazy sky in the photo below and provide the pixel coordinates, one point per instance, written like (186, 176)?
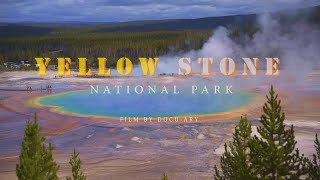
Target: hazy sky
(128, 10)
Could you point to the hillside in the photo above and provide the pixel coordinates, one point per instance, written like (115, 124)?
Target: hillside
(24, 29)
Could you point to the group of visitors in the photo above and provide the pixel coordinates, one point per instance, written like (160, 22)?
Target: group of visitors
(48, 88)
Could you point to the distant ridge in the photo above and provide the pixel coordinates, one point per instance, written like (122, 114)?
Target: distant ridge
(178, 24)
(31, 28)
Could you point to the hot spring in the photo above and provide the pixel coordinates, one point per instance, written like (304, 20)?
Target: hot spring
(145, 105)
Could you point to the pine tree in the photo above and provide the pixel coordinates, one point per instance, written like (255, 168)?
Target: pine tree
(75, 162)
(314, 171)
(164, 177)
(274, 155)
(235, 162)
(36, 161)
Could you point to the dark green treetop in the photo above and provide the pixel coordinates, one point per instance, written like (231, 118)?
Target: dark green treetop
(274, 155)
(75, 162)
(164, 177)
(235, 163)
(314, 172)
(36, 160)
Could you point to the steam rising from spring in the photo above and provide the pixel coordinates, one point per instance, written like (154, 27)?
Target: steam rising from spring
(297, 45)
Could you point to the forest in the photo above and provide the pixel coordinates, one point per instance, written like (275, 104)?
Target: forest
(111, 45)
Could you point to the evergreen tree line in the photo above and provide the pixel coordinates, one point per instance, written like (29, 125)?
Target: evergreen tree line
(269, 155)
(92, 45)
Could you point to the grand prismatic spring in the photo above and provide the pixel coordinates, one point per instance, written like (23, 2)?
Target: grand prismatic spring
(141, 105)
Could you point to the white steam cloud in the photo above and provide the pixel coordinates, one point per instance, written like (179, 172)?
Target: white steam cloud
(297, 45)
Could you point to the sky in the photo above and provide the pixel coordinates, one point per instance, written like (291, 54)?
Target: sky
(131, 10)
